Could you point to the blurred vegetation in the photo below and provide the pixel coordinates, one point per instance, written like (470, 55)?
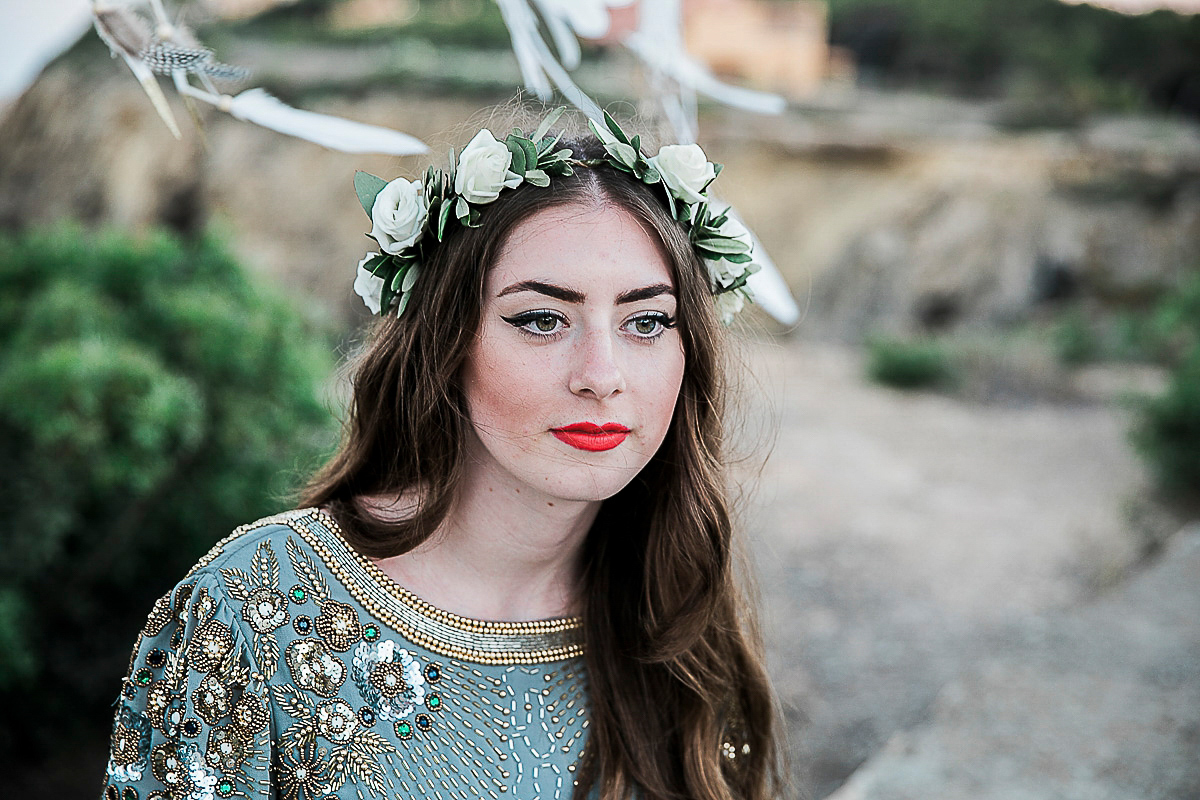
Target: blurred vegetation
(151, 399)
(1054, 60)
(908, 364)
(1027, 364)
(1167, 432)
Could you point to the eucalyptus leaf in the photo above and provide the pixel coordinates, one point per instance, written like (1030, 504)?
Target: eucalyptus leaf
(462, 209)
(443, 218)
(385, 299)
(473, 218)
(518, 164)
(671, 202)
(739, 258)
(403, 304)
(550, 119)
(623, 153)
(399, 278)
(720, 244)
(615, 128)
(531, 156)
(410, 278)
(652, 175)
(367, 187)
(537, 177)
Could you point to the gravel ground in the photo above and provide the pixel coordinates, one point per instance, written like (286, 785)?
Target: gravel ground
(918, 554)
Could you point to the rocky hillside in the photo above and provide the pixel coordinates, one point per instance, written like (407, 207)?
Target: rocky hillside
(892, 212)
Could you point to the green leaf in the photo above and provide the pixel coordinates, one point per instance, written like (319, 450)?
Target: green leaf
(720, 244)
(473, 218)
(537, 177)
(367, 187)
(462, 209)
(410, 278)
(738, 258)
(636, 142)
(550, 119)
(378, 264)
(623, 153)
(531, 156)
(398, 278)
(546, 145)
(518, 154)
(443, 218)
(652, 175)
(615, 128)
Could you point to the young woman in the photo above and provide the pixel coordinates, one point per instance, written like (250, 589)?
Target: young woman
(513, 580)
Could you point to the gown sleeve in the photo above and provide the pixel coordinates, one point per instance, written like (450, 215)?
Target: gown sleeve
(193, 721)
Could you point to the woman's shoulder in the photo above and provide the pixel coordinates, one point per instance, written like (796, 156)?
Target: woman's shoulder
(286, 531)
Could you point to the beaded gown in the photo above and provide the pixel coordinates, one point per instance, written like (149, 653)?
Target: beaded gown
(287, 665)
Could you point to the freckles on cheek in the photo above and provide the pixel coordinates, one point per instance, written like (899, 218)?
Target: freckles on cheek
(504, 392)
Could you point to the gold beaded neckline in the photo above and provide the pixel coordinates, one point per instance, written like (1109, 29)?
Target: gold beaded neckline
(430, 627)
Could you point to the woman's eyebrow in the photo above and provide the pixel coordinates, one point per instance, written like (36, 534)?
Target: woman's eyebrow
(645, 293)
(573, 296)
(548, 289)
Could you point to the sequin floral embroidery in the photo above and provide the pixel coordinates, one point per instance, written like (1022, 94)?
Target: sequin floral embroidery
(389, 679)
(130, 745)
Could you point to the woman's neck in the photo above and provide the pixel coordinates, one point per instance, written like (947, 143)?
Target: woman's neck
(503, 553)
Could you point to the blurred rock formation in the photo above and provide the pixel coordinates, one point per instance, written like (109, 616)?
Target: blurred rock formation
(886, 212)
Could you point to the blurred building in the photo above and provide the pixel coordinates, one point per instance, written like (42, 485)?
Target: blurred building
(782, 47)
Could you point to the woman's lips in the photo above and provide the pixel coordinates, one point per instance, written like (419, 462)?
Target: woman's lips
(590, 436)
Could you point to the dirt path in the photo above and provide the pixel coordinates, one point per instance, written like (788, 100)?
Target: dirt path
(901, 538)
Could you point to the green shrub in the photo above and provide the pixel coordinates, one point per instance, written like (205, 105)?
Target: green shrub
(1075, 342)
(1167, 431)
(151, 399)
(908, 364)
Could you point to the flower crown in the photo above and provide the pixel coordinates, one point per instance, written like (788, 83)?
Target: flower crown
(409, 218)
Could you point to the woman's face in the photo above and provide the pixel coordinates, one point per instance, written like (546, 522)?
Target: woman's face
(572, 381)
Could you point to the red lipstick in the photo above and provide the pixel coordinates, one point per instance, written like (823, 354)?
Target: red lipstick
(590, 436)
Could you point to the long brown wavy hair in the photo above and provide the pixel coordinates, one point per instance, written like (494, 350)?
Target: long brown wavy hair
(680, 702)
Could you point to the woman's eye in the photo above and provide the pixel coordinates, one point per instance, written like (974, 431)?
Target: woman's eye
(650, 326)
(537, 323)
(545, 324)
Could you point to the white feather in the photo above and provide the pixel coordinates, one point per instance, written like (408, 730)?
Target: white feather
(255, 105)
(565, 40)
(770, 290)
(522, 29)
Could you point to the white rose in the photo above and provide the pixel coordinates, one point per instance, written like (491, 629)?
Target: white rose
(398, 215)
(729, 304)
(483, 169)
(369, 287)
(685, 169)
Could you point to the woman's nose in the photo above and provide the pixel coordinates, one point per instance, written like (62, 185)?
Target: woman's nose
(595, 371)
